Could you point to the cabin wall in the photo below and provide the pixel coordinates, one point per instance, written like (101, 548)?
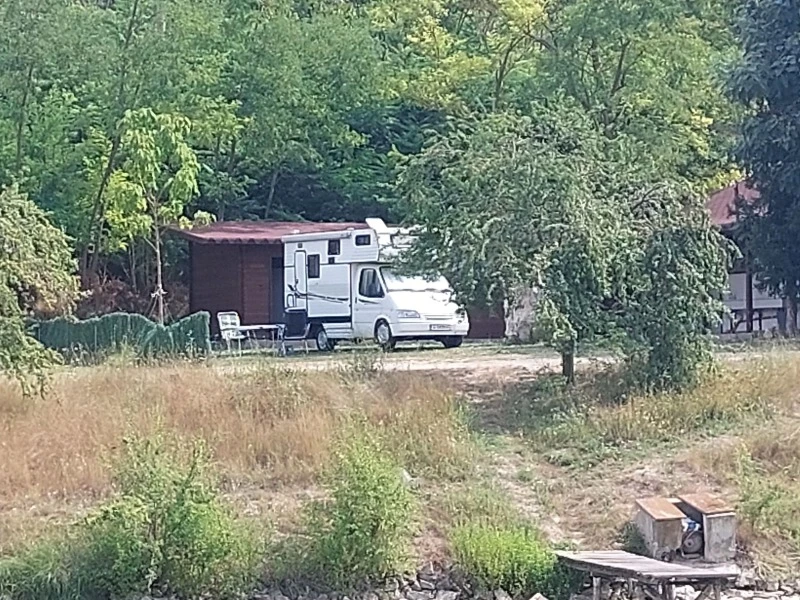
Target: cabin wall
(234, 277)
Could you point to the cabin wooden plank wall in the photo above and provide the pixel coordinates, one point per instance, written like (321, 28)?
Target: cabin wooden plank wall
(216, 284)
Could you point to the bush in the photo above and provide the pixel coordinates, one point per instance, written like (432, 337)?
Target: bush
(363, 532)
(166, 531)
(98, 337)
(515, 559)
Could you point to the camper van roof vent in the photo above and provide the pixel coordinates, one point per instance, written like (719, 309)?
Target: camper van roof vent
(378, 226)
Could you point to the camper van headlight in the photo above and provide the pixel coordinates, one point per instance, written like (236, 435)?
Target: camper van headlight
(461, 315)
(407, 314)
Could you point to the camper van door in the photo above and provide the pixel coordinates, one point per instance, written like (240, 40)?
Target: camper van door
(300, 280)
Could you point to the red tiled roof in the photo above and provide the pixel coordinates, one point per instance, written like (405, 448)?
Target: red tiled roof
(721, 205)
(256, 232)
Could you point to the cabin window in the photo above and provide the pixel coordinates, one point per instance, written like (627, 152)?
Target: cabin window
(369, 285)
(363, 240)
(334, 247)
(313, 266)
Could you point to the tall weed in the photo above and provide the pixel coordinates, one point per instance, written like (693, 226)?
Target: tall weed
(165, 531)
(362, 532)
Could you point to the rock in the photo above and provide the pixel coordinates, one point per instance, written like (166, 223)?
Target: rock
(447, 595)
(501, 595)
(744, 594)
(772, 586)
(418, 595)
(746, 580)
(369, 596)
(685, 591)
(426, 585)
(538, 597)
(787, 589)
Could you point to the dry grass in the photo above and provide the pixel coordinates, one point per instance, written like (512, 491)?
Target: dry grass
(586, 425)
(269, 428)
(761, 469)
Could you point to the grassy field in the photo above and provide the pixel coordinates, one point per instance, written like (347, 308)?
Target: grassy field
(508, 446)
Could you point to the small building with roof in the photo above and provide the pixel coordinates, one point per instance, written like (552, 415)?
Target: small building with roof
(751, 310)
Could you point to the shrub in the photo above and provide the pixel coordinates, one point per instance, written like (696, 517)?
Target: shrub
(98, 337)
(515, 559)
(166, 531)
(363, 531)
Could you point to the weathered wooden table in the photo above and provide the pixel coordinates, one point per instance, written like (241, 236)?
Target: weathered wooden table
(656, 579)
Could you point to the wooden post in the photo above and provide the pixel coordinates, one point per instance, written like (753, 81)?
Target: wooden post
(748, 296)
(596, 588)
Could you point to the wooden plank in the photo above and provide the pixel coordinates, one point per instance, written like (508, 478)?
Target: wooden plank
(707, 503)
(616, 563)
(660, 509)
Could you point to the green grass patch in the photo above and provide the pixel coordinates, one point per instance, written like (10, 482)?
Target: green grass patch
(516, 559)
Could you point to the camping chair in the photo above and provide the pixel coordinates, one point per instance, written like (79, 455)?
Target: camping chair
(296, 330)
(302, 336)
(229, 324)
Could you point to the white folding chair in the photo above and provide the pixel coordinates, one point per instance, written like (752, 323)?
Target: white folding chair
(229, 324)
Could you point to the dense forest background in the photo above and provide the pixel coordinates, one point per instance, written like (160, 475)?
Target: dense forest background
(121, 116)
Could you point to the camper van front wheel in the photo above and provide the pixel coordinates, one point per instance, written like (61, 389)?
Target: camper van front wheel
(324, 343)
(383, 335)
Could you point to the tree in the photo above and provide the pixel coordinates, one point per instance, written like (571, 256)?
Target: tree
(155, 182)
(36, 278)
(766, 82)
(506, 203)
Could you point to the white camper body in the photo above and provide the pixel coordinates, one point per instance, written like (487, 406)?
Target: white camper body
(340, 286)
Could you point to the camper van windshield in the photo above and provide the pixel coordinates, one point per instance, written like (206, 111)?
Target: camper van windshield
(396, 283)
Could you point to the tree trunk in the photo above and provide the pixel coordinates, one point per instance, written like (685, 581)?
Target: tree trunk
(273, 182)
(791, 312)
(159, 293)
(21, 120)
(568, 363)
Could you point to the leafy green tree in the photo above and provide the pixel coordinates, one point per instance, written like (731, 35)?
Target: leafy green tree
(36, 277)
(154, 183)
(766, 82)
(509, 203)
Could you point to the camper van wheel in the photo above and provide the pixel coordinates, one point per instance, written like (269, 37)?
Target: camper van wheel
(324, 343)
(452, 341)
(383, 336)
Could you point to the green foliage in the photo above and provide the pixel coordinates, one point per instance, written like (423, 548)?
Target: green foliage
(300, 109)
(363, 532)
(99, 337)
(36, 277)
(516, 559)
(167, 530)
(547, 204)
(631, 539)
(767, 502)
(763, 83)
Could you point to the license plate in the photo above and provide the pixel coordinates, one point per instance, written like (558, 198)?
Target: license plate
(441, 327)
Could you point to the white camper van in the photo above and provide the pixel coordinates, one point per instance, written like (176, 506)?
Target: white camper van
(341, 286)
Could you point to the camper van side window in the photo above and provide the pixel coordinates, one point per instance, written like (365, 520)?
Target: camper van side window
(313, 266)
(363, 240)
(334, 247)
(369, 285)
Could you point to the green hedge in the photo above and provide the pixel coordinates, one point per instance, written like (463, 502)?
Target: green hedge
(101, 336)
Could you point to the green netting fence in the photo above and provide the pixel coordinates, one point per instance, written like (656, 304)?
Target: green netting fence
(99, 337)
